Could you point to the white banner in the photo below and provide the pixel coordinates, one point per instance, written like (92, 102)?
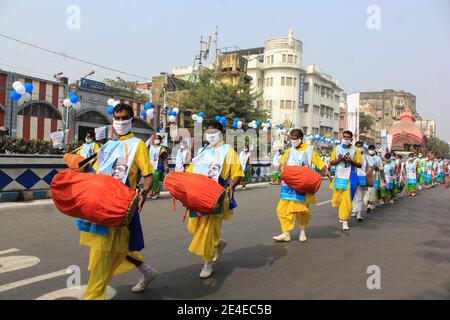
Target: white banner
(100, 133)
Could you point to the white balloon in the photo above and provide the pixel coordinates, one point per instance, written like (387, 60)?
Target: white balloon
(199, 119)
(176, 110)
(16, 84)
(26, 97)
(115, 103)
(67, 103)
(172, 119)
(111, 102)
(149, 112)
(77, 106)
(20, 89)
(194, 117)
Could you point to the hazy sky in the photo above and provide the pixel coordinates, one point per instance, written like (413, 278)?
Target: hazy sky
(410, 51)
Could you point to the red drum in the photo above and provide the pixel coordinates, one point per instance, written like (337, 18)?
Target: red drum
(195, 191)
(96, 198)
(301, 179)
(73, 160)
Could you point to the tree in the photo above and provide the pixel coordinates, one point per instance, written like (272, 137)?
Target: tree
(365, 123)
(217, 98)
(439, 147)
(125, 89)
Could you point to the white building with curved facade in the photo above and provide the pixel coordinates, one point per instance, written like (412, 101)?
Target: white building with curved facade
(277, 72)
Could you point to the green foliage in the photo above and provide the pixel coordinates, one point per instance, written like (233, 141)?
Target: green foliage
(126, 89)
(34, 146)
(439, 147)
(222, 99)
(365, 122)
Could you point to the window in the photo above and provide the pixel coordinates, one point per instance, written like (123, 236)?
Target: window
(316, 109)
(284, 58)
(295, 59)
(290, 58)
(271, 59)
(271, 82)
(336, 117)
(289, 81)
(288, 104)
(282, 104)
(295, 82)
(293, 104)
(40, 110)
(306, 87)
(322, 111)
(283, 81)
(305, 108)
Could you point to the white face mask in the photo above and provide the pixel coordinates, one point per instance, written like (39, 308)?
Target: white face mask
(372, 152)
(122, 127)
(88, 140)
(296, 143)
(346, 142)
(157, 141)
(214, 138)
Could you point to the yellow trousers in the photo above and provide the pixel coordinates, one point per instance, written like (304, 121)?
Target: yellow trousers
(342, 201)
(289, 211)
(205, 233)
(107, 258)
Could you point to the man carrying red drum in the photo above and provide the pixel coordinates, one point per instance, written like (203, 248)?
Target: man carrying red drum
(220, 162)
(294, 205)
(115, 250)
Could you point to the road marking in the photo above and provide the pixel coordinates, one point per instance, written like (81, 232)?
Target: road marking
(322, 203)
(13, 263)
(74, 293)
(12, 250)
(25, 282)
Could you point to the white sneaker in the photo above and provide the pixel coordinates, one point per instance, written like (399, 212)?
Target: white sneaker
(303, 237)
(284, 237)
(222, 244)
(354, 214)
(359, 217)
(345, 225)
(155, 197)
(244, 188)
(144, 282)
(207, 270)
(391, 202)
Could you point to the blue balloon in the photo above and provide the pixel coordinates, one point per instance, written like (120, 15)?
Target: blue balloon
(143, 113)
(147, 106)
(202, 114)
(258, 123)
(110, 111)
(72, 94)
(235, 119)
(74, 99)
(217, 118)
(28, 87)
(14, 95)
(235, 125)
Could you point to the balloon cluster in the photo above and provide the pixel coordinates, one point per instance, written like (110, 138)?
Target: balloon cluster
(198, 117)
(317, 138)
(266, 126)
(254, 124)
(237, 124)
(111, 104)
(281, 129)
(173, 115)
(22, 92)
(222, 120)
(148, 111)
(72, 101)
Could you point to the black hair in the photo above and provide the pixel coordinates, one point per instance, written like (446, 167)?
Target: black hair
(359, 142)
(299, 132)
(372, 147)
(216, 124)
(388, 154)
(123, 106)
(348, 132)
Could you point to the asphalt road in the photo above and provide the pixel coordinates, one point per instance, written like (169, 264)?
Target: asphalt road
(409, 241)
